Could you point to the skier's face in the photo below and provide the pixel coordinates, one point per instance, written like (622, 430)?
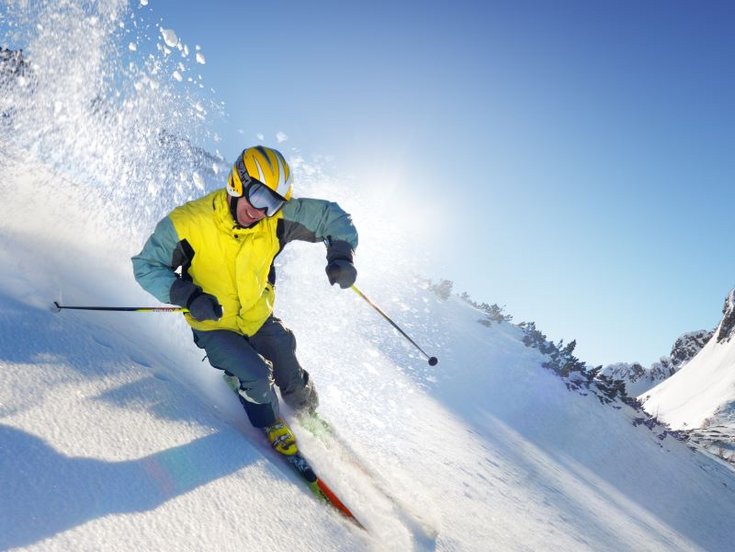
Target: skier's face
(247, 215)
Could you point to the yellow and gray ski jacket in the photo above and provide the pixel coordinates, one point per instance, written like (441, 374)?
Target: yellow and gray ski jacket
(232, 263)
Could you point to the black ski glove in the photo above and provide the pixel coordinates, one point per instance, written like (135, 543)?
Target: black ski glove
(205, 307)
(202, 306)
(342, 272)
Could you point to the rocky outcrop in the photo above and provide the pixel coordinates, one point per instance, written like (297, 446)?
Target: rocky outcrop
(727, 325)
(687, 346)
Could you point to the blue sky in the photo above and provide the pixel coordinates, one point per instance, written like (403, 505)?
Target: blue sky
(578, 155)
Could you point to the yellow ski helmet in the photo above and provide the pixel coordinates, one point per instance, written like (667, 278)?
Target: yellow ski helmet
(262, 164)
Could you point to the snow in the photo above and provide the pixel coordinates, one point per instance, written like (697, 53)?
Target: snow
(169, 37)
(116, 435)
(112, 425)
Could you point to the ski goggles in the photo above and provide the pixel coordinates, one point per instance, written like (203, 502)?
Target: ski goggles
(263, 198)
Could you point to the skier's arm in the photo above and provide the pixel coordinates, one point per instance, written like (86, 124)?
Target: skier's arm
(154, 265)
(315, 220)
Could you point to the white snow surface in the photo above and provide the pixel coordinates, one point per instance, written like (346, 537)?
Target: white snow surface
(115, 435)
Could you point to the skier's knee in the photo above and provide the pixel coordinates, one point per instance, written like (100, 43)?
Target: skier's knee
(258, 391)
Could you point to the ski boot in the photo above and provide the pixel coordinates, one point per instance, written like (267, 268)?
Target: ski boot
(281, 437)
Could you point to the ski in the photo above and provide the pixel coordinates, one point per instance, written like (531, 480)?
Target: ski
(325, 432)
(303, 469)
(317, 486)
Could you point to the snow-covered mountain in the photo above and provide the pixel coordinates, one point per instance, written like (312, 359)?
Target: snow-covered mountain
(114, 435)
(701, 396)
(638, 379)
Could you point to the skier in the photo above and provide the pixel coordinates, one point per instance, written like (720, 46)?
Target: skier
(215, 256)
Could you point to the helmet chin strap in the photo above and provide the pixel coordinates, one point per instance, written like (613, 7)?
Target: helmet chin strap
(233, 208)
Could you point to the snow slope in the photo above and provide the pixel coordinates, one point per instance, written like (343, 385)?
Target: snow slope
(116, 436)
(702, 392)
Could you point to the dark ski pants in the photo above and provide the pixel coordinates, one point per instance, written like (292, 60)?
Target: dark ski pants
(258, 361)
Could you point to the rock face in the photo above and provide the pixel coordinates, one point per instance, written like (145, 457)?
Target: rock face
(687, 346)
(725, 330)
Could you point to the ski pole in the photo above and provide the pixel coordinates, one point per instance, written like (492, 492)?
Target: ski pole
(432, 359)
(122, 309)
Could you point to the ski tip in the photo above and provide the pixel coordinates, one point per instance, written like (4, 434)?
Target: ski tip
(56, 307)
(337, 504)
(433, 361)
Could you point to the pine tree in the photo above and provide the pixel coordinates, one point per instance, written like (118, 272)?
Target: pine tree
(493, 313)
